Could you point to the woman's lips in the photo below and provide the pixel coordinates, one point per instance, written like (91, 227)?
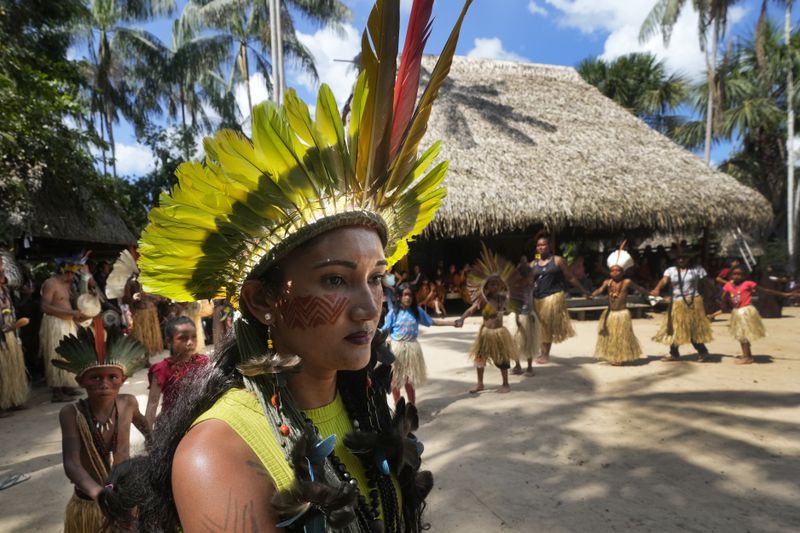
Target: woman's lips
(359, 338)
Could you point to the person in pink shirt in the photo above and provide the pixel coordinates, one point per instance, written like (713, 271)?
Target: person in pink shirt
(165, 376)
(745, 324)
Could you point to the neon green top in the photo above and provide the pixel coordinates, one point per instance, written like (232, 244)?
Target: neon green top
(242, 411)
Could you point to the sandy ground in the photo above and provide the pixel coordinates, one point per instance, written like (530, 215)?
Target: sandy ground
(581, 446)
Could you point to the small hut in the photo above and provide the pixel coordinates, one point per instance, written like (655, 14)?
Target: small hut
(535, 146)
(63, 224)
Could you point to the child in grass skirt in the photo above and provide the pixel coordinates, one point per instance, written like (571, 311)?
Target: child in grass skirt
(402, 323)
(616, 342)
(745, 324)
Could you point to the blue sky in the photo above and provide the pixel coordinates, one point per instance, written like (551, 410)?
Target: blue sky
(559, 32)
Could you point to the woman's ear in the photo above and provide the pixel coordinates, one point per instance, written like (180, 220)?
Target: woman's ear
(256, 299)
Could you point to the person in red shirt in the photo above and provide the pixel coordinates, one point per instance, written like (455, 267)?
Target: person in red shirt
(745, 324)
(165, 376)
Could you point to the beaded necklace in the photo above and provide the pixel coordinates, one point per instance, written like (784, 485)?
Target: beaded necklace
(98, 428)
(615, 289)
(288, 424)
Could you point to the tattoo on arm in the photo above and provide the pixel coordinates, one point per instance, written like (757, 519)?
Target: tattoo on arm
(238, 518)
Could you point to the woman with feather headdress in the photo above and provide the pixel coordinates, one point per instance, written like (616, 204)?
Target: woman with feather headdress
(496, 288)
(290, 429)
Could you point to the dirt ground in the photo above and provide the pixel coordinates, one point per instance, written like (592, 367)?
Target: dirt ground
(581, 446)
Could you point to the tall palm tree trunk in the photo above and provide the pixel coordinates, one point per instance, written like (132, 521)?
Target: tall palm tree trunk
(245, 73)
(110, 130)
(101, 120)
(791, 207)
(711, 63)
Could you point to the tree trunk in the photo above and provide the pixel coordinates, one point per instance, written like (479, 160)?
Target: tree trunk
(711, 63)
(110, 129)
(182, 96)
(245, 74)
(101, 120)
(791, 207)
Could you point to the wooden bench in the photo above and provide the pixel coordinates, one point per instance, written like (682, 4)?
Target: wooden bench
(578, 307)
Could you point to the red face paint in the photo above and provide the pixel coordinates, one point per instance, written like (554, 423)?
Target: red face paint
(305, 312)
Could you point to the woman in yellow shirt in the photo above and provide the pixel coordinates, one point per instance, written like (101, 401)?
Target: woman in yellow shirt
(289, 429)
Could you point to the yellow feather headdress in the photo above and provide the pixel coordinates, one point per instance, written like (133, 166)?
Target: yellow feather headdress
(493, 266)
(253, 201)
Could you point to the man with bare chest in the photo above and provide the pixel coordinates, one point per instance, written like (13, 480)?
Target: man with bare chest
(58, 320)
(95, 432)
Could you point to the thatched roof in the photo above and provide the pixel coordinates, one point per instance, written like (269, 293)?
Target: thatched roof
(60, 214)
(536, 145)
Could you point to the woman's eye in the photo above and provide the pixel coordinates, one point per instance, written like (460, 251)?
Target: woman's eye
(376, 279)
(334, 281)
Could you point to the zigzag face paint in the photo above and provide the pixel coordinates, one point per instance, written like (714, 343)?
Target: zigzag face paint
(306, 312)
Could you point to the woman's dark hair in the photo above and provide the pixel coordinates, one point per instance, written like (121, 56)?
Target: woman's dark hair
(173, 324)
(146, 481)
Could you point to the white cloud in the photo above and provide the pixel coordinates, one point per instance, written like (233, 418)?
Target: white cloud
(332, 52)
(621, 21)
(536, 9)
(492, 48)
(134, 159)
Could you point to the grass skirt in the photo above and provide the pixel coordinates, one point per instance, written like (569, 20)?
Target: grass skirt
(746, 325)
(528, 336)
(14, 386)
(554, 318)
(494, 345)
(83, 516)
(684, 324)
(409, 364)
(147, 330)
(52, 330)
(616, 342)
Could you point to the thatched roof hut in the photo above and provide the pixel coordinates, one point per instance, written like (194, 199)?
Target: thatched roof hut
(535, 145)
(64, 224)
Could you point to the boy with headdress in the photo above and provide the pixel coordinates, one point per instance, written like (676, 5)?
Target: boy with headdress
(616, 342)
(59, 318)
(95, 432)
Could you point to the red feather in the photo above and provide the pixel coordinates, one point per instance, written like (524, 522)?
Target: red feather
(100, 339)
(407, 85)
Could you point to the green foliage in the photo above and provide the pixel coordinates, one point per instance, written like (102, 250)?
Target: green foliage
(751, 98)
(39, 94)
(639, 83)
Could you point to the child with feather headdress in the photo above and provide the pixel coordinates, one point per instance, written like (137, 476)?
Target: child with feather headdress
(95, 431)
(496, 288)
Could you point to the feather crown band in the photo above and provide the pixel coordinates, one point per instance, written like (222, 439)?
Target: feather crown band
(252, 202)
(84, 352)
(493, 266)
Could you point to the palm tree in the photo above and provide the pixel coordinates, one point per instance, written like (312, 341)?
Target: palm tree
(712, 14)
(246, 22)
(752, 98)
(639, 83)
(110, 93)
(167, 77)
